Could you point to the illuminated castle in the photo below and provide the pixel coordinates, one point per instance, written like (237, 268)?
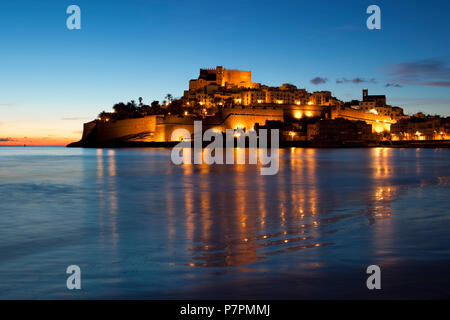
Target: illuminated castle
(222, 78)
(228, 99)
(219, 87)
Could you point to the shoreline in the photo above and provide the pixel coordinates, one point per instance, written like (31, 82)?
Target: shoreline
(285, 144)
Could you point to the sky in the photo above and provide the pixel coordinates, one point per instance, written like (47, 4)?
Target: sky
(52, 79)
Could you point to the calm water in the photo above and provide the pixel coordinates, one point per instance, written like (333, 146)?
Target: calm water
(140, 227)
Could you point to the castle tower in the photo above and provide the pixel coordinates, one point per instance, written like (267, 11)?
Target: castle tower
(219, 76)
(365, 94)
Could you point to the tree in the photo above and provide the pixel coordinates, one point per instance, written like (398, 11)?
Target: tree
(120, 108)
(156, 107)
(169, 97)
(133, 110)
(146, 109)
(125, 111)
(176, 107)
(104, 115)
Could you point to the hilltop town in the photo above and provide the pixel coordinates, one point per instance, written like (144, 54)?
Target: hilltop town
(228, 99)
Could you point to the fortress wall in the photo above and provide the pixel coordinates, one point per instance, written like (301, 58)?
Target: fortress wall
(237, 76)
(379, 123)
(298, 112)
(122, 128)
(166, 126)
(87, 129)
(248, 117)
(248, 121)
(156, 128)
(234, 118)
(164, 131)
(197, 84)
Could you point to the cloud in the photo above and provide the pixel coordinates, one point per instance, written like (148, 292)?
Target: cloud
(431, 68)
(395, 85)
(426, 72)
(7, 104)
(6, 139)
(75, 118)
(356, 80)
(438, 84)
(318, 80)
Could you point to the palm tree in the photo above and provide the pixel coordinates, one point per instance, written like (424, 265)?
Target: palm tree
(169, 97)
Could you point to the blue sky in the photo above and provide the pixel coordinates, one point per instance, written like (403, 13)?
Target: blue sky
(53, 79)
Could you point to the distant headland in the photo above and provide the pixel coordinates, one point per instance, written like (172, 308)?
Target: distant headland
(228, 99)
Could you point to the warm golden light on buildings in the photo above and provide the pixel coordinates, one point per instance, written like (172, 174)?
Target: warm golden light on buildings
(227, 99)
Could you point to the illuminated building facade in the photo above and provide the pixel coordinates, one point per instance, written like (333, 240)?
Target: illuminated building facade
(421, 127)
(220, 86)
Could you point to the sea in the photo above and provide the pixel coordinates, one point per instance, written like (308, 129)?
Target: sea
(139, 226)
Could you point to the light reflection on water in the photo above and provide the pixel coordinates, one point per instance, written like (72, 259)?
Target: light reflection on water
(137, 224)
